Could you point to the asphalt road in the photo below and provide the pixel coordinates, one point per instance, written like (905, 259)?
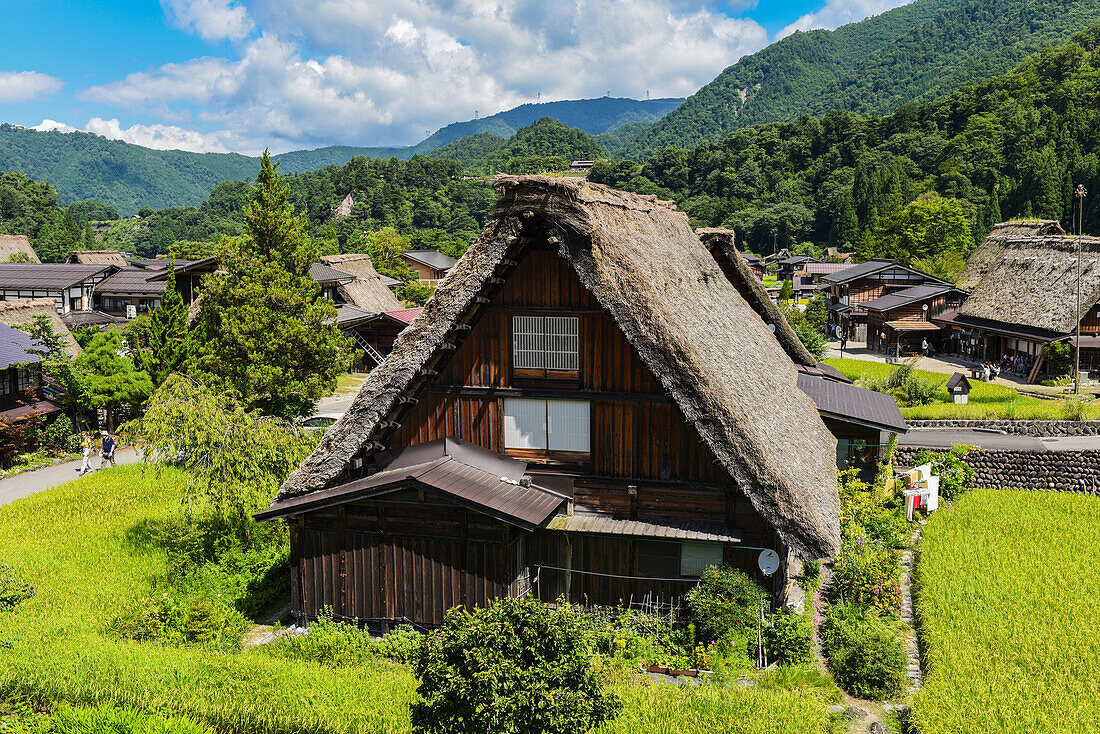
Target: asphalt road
(940, 438)
(26, 484)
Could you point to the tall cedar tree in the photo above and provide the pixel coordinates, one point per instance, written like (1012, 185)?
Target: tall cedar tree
(159, 339)
(262, 331)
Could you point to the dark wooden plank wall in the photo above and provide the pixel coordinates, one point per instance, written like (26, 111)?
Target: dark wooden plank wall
(402, 558)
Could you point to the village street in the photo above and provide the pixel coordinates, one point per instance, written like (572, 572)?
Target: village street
(27, 483)
(991, 441)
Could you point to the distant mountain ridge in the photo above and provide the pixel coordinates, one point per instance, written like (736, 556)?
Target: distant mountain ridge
(916, 52)
(83, 166)
(594, 116)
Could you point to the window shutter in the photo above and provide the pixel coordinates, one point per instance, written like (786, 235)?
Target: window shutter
(569, 425)
(524, 423)
(561, 343)
(528, 343)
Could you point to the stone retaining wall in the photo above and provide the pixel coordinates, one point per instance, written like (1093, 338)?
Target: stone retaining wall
(1018, 428)
(1052, 471)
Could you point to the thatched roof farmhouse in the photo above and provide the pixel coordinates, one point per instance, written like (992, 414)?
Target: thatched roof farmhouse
(16, 244)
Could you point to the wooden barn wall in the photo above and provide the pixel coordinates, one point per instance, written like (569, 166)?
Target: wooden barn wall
(402, 558)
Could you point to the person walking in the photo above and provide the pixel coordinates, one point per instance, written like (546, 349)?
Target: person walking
(107, 450)
(89, 450)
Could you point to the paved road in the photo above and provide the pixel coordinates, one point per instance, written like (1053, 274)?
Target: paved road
(23, 485)
(937, 438)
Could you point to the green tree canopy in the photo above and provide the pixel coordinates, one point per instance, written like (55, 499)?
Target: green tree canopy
(262, 331)
(926, 227)
(159, 339)
(112, 382)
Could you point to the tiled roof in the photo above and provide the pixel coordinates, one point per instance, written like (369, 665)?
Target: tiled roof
(131, 280)
(46, 276)
(15, 346)
(431, 258)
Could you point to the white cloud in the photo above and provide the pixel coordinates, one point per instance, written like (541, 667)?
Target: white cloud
(53, 125)
(211, 20)
(19, 86)
(163, 137)
(839, 12)
(353, 72)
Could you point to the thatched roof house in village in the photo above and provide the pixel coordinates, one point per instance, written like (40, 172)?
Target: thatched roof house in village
(98, 257)
(585, 405)
(366, 291)
(16, 245)
(1023, 283)
(19, 312)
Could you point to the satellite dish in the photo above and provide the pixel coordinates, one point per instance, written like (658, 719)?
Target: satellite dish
(768, 562)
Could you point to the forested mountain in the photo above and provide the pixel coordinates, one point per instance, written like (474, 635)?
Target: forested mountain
(82, 166)
(544, 145)
(916, 52)
(1011, 146)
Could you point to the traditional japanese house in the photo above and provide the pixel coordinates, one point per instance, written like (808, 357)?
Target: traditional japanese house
(756, 265)
(796, 264)
(367, 290)
(901, 322)
(16, 247)
(374, 333)
(849, 289)
(23, 311)
(98, 257)
(21, 377)
(860, 419)
(1023, 297)
(329, 279)
(586, 408)
(69, 285)
(189, 275)
(430, 265)
(128, 292)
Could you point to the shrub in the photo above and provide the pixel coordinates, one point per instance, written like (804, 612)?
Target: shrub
(13, 589)
(1075, 407)
(168, 617)
(726, 604)
(514, 667)
(60, 435)
(917, 390)
(401, 645)
(328, 642)
(865, 572)
(864, 652)
(788, 638)
(956, 476)
(864, 512)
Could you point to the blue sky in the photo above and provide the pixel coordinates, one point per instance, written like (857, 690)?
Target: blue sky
(241, 75)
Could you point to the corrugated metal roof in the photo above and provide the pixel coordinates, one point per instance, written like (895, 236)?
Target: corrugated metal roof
(912, 326)
(670, 529)
(907, 296)
(15, 346)
(348, 314)
(853, 404)
(46, 276)
(467, 473)
(825, 268)
(131, 279)
(405, 315)
(431, 258)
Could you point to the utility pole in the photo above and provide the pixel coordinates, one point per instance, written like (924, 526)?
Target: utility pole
(1080, 194)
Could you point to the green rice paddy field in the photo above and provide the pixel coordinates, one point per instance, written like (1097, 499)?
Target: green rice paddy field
(76, 544)
(1009, 615)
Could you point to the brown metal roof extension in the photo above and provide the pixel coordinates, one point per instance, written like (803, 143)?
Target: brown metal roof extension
(464, 472)
(667, 529)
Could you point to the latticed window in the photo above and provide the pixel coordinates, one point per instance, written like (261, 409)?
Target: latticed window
(24, 378)
(545, 343)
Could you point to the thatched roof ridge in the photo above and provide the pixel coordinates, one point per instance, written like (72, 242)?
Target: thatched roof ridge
(1031, 280)
(21, 311)
(16, 244)
(720, 241)
(98, 257)
(710, 351)
(367, 290)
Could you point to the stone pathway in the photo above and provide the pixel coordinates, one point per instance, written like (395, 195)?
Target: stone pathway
(912, 649)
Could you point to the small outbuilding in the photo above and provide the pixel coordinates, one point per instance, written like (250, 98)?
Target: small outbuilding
(959, 388)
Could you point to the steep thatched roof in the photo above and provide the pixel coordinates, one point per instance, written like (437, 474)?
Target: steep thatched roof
(720, 243)
(16, 244)
(710, 351)
(21, 311)
(1027, 276)
(98, 257)
(367, 290)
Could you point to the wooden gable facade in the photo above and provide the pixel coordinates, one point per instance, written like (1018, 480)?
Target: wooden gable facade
(537, 453)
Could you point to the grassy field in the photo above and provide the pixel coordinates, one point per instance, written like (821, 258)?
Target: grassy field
(987, 401)
(76, 543)
(1009, 598)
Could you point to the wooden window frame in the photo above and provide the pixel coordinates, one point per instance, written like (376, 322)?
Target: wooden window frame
(547, 456)
(542, 373)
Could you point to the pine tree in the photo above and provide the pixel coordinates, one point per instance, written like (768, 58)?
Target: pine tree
(158, 340)
(262, 331)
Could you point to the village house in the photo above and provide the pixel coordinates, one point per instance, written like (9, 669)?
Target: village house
(21, 378)
(98, 257)
(367, 290)
(430, 266)
(586, 408)
(70, 285)
(128, 293)
(16, 248)
(787, 268)
(898, 324)
(22, 311)
(755, 264)
(850, 289)
(1023, 297)
(860, 419)
(189, 275)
